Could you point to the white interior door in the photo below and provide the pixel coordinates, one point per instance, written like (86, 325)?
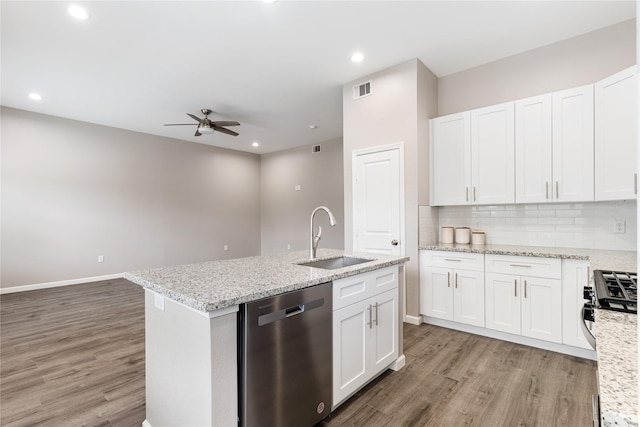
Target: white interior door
(378, 201)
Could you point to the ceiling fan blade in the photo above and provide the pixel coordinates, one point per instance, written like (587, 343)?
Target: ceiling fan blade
(196, 118)
(181, 124)
(223, 130)
(225, 123)
(197, 132)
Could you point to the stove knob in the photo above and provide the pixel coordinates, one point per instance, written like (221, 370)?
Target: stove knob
(587, 292)
(589, 312)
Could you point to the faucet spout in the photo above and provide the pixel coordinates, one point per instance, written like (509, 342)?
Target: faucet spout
(313, 243)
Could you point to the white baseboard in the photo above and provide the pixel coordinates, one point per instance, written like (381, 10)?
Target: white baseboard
(146, 423)
(399, 363)
(518, 339)
(413, 320)
(23, 288)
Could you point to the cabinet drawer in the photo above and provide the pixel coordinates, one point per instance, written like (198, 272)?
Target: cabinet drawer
(524, 265)
(459, 260)
(356, 288)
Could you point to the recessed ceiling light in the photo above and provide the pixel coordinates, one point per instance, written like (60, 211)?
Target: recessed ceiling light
(35, 96)
(256, 144)
(268, 1)
(78, 12)
(357, 57)
(313, 126)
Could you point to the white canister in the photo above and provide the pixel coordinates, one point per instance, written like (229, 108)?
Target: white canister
(478, 238)
(463, 235)
(446, 235)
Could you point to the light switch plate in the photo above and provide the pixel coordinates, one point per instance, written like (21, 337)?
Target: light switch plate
(619, 226)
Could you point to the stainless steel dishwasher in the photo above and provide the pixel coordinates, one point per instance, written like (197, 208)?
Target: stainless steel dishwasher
(285, 359)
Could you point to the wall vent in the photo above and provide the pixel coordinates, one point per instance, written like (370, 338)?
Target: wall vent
(315, 149)
(362, 90)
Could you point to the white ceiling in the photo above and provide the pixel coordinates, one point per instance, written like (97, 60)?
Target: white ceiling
(275, 68)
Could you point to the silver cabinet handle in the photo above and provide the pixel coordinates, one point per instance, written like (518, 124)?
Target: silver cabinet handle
(452, 259)
(588, 275)
(520, 265)
(635, 183)
(557, 189)
(466, 194)
(456, 282)
(376, 314)
(448, 279)
(525, 288)
(394, 242)
(370, 319)
(515, 288)
(474, 193)
(546, 189)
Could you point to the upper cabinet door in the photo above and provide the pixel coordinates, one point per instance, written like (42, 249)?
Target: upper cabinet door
(534, 181)
(492, 154)
(451, 159)
(616, 136)
(573, 144)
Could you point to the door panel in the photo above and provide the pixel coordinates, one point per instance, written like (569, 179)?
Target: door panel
(385, 348)
(542, 309)
(437, 297)
(468, 297)
(377, 202)
(350, 325)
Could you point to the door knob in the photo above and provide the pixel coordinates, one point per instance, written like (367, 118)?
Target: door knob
(394, 242)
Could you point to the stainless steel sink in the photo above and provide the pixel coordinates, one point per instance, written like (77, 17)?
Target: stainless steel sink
(334, 263)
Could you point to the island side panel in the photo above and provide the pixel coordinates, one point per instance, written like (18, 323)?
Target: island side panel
(191, 366)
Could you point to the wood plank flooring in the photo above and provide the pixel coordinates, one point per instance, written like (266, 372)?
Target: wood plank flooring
(74, 356)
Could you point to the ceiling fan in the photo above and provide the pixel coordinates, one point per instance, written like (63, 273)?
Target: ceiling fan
(206, 126)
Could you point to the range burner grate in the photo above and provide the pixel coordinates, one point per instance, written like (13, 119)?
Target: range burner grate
(617, 290)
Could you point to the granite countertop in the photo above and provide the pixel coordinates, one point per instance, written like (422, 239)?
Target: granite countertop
(600, 259)
(617, 350)
(214, 285)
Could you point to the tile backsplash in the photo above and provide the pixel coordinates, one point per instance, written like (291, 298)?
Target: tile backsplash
(572, 225)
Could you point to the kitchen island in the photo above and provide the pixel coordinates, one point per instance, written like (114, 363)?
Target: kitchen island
(191, 328)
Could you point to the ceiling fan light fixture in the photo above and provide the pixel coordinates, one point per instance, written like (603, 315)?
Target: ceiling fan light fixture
(203, 129)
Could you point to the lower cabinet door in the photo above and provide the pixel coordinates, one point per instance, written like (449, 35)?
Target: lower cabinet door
(436, 292)
(384, 343)
(542, 308)
(502, 302)
(350, 339)
(575, 276)
(468, 297)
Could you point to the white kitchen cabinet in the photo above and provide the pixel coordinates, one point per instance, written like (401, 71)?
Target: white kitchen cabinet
(452, 286)
(573, 144)
(492, 154)
(451, 159)
(520, 301)
(616, 118)
(473, 157)
(365, 331)
(533, 150)
(575, 276)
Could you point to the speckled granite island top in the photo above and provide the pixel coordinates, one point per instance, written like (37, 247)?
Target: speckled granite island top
(617, 350)
(214, 285)
(599, 259)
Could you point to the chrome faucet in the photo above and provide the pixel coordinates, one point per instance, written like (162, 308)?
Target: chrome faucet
(313, 244)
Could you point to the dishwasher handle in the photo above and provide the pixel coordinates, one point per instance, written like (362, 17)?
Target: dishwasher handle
(288, 312)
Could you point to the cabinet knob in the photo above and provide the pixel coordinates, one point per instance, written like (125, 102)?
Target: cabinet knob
(394, 242)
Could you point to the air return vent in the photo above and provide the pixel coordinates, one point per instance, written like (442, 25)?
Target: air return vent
(362, 90)
(315, 149)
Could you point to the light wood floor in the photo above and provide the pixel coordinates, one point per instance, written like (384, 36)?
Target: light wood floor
(74, 356)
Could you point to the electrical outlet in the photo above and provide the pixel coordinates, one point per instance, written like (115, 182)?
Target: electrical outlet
(226, 247)
(297, 187)
(619, 226)
(100, 258)
(288, 247)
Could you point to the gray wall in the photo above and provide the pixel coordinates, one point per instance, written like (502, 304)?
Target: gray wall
(285, 212)
(573, 62)
(72, 191)
(390, 115)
